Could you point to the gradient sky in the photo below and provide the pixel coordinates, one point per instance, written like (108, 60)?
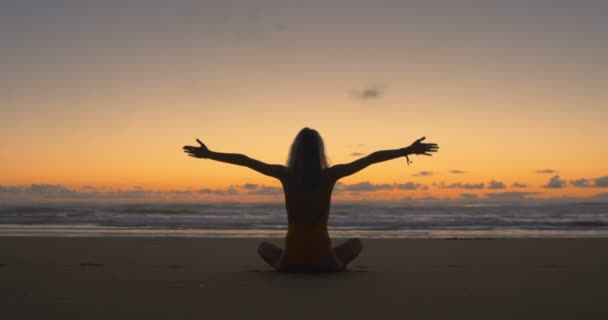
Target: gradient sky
(102, 95)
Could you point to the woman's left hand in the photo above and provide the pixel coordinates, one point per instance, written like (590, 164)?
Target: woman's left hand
(422, 148)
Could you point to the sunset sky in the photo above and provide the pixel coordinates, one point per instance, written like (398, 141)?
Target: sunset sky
(98, 97)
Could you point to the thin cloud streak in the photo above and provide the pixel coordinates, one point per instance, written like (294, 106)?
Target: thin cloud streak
(459, 185)
(370, 92)
(365, 186)
(411, 186)
(423, 173)
(546, 171)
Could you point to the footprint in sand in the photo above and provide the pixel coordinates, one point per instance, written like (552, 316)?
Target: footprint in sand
(90, 264)
(360, 269)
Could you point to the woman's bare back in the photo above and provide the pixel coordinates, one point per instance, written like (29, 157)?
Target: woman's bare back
(308, 206)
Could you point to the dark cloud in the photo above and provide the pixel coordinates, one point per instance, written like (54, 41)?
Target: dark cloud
(506, 197)
(423, 173)
(457, 171)
(518, 185)
(496, 185)
(601, 182)
(219, 192)
(280, 27)
(50, 192)
(62, 193)
(546, 171)
(369, 92)
(472, 186)
(266, 191)
(256, 189)
(183, 192)
(581, 183)
(365, 186)
(459, 185)
(469, 196)
(357, 154)
(555, 183)
(411, 186)
(9, 190)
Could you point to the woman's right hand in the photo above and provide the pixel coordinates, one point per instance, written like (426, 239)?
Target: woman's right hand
(197, 152)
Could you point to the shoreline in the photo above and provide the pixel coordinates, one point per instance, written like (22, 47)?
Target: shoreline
(88, 231)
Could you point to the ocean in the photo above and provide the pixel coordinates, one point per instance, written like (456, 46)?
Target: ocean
(367, 220)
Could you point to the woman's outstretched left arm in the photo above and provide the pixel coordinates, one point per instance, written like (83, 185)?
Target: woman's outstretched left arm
(273, 170)
(342, 170)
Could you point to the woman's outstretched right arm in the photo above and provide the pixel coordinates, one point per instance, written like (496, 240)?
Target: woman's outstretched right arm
(273, 170)
(347, 169)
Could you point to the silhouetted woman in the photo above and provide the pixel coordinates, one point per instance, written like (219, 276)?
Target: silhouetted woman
(308, 181)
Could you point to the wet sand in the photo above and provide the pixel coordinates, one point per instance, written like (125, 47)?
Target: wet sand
(204, 278)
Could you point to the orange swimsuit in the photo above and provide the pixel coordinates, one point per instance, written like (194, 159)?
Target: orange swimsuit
(306, 246)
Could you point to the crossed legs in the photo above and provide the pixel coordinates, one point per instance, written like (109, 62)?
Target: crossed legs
(348, 250)
(344, 253)
(270, 253)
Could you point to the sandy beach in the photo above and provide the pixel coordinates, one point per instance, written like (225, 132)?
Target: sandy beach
(206, 278)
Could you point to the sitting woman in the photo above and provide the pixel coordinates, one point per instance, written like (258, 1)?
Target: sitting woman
(307, 182)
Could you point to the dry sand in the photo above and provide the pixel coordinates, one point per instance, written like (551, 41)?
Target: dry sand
(187, 278)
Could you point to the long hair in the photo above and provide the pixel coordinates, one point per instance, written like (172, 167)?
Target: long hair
(307, 158)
